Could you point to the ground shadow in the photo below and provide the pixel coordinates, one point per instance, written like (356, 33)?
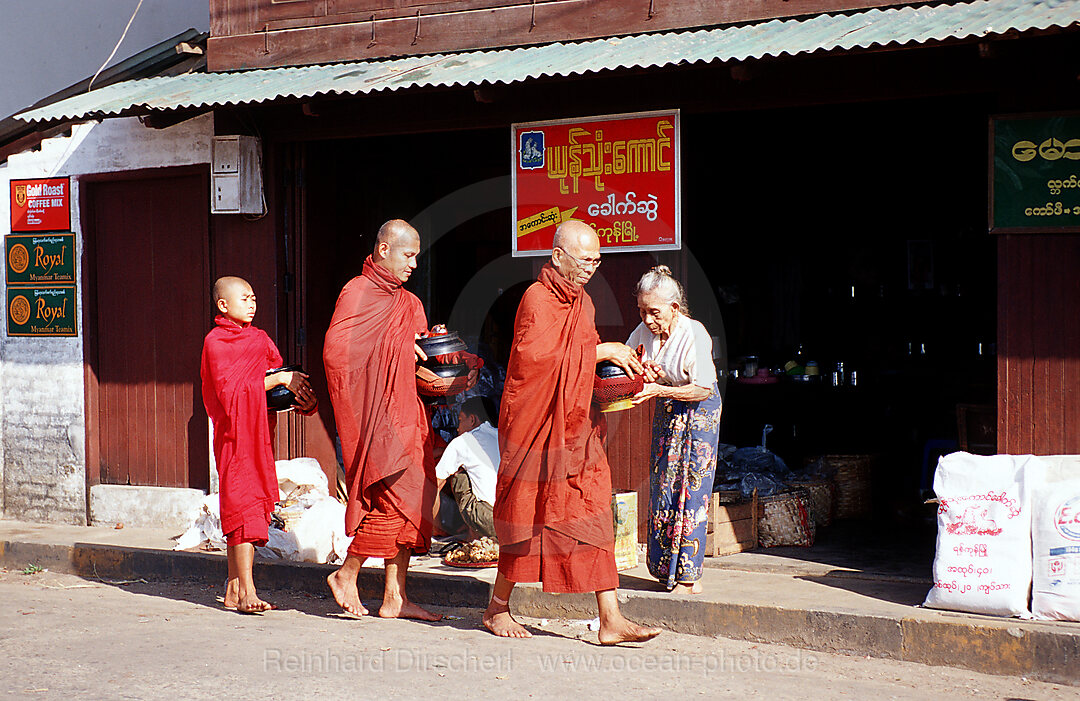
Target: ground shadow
(881, 588)
(867, 548)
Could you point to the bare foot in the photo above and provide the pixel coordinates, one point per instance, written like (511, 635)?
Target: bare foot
(498, 620)
(251, 603)
(682, 588)
(398, 608)
(625, 631)
(346, 594)
(236, 600)
(232, 594)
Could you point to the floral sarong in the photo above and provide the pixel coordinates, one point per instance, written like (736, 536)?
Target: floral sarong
(685, 435)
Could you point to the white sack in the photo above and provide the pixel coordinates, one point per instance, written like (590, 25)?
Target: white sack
(1055, 537)
(983, 559)
(300, 472)
(320, 532)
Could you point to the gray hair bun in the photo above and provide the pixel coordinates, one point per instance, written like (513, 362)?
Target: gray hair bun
(660, 280)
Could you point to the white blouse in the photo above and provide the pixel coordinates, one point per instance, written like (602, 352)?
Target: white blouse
(686, 356)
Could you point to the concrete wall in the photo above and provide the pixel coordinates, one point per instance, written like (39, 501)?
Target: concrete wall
(42, 395)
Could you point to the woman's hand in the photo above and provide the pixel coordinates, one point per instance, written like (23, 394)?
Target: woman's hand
(653, 371)
(650, 390)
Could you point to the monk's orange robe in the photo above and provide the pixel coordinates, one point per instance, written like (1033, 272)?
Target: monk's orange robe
(235, 359)
(553, 495)
(385, 435)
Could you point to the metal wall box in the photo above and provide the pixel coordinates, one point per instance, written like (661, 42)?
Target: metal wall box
(236, 176)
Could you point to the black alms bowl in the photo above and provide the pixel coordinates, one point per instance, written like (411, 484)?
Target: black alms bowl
(442, 344)
(280, 397)
(606, 370)
(453, 370)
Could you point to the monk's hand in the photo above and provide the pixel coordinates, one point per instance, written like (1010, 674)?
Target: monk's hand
(653, 371)
(622, 355)
(421, 356)
(297, 383)
(650, 390)
(307, 406)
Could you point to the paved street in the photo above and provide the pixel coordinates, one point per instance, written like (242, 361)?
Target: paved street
(63, 636)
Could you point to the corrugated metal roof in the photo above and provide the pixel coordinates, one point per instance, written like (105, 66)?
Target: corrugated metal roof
(894, 26)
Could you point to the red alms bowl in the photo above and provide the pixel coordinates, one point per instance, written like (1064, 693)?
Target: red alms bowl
(613, 388)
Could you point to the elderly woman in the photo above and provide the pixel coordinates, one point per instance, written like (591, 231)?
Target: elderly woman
(686, 428)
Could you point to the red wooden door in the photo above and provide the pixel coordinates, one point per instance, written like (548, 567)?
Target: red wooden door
(147, 312)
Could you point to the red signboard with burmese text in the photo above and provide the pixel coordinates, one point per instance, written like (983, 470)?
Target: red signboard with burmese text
(42, 204)
(618, 173)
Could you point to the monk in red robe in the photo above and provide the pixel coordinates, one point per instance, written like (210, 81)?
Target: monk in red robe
(553, 496)
(370, 359)
(235, 359)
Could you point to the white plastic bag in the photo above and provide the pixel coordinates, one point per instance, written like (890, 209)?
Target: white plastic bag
(1055, 538)
(983, 558)
(205, 528)
(301, 472)
(316, 532)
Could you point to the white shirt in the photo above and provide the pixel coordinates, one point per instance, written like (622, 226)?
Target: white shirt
(686, 356)
(478, 452)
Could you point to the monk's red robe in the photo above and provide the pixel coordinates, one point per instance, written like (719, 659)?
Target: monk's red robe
(553, 495)
(385, 436)
(234, 363)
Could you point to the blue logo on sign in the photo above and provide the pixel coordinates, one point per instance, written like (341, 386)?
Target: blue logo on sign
(531, 150)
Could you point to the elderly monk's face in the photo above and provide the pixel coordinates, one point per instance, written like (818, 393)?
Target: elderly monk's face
(400, 255)
(579, 257)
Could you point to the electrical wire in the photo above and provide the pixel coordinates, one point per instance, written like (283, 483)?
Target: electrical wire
(115, 48)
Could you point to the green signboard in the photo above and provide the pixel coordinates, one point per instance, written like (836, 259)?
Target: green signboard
(1035, 174)
(41, 311)
(40, 258)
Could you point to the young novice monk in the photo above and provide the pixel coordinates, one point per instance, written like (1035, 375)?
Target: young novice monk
(235, 358)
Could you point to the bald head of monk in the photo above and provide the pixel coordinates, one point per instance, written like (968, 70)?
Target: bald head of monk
(234, 298)
(396, 247)
(576, 251)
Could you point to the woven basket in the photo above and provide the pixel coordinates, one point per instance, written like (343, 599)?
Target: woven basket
(821, 499)
(852, 476)
(786, 520)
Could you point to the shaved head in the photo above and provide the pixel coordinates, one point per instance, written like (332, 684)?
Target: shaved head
(234, 298)
(574, 236)
(224, 286)
(575, 251)
(396, 247)
(396, 232)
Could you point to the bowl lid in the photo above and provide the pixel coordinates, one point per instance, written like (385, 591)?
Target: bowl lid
(441, 344)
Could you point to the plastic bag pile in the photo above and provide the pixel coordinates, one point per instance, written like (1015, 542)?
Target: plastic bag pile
(748, 469)
(315, 530)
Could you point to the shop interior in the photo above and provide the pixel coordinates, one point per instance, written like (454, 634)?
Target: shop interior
(846, 262)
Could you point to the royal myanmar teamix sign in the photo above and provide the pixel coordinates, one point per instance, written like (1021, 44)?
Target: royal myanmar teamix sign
(618, 173)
